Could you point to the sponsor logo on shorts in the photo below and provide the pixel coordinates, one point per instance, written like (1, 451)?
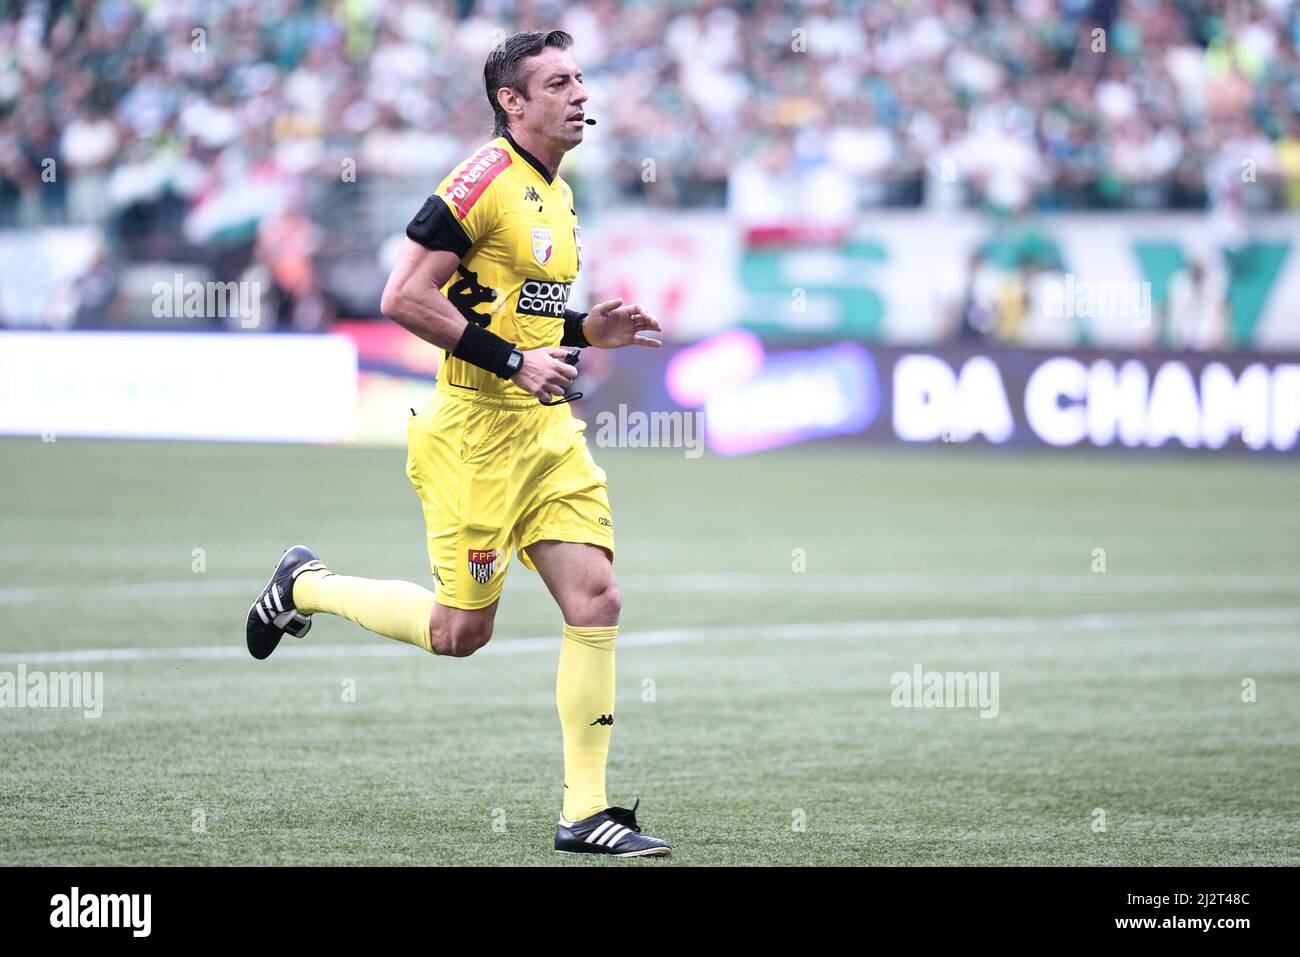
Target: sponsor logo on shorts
(606, 522)
(541, 297)
(482, 564)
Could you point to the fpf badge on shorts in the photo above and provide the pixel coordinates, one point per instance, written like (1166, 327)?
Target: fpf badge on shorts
(482, 564)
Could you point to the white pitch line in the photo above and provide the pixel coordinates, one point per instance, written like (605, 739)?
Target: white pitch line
(1112, 583)
(130, 590)
(1204, 618)
(924, 582)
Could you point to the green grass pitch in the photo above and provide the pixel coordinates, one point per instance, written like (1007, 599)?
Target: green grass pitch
(754, 710)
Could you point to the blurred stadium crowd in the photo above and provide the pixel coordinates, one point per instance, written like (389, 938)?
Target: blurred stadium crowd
(220, 130)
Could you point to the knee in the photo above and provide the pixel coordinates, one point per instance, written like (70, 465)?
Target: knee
(609, 602)
(462, 641)
(458, 637)
(599, 606)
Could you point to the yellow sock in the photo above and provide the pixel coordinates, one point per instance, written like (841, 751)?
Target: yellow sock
(584, 696)
(394, 609)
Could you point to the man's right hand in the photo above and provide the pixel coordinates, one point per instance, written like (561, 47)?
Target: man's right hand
(545, 374)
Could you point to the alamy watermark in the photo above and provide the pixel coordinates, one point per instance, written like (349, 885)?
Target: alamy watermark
(1093, 299)
(945, 689)
(179, 299)
(58, 689)
(681, 429)
(130, 911)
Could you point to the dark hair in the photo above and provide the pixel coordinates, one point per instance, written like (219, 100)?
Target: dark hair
(505, 67)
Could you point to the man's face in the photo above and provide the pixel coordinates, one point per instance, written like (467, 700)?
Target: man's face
(553, 110)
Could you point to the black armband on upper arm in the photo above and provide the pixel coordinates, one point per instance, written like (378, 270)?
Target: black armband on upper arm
(435, 227)
(573, 334)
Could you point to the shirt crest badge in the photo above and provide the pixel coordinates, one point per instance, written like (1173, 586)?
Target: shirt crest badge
(542, 245)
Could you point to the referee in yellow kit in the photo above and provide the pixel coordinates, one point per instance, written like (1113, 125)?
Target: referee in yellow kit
(499, 461)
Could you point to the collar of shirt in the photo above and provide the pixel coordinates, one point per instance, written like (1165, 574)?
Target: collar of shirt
(530, 159)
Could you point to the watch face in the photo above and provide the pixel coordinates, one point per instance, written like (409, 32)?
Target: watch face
(515, 361)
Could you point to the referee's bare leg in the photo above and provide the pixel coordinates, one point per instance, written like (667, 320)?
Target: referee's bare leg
(581, 580)
(459, 632)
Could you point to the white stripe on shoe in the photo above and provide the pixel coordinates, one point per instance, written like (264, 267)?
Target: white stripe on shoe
(595, 836)
(614, 837)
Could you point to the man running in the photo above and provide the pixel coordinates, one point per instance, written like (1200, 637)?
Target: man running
(500, 463)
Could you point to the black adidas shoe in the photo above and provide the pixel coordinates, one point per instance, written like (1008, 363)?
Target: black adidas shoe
(612, 831)
(273, 613)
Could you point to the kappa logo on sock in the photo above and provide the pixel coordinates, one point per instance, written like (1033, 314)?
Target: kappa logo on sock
(482, 564)
(604, 719)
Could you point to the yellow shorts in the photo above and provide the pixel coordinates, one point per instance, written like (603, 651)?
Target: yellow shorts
(495, 475)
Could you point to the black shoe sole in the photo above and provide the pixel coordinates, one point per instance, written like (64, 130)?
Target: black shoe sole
(648, 852)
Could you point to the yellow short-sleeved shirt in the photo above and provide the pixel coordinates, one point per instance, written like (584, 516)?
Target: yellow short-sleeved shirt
(517, 236)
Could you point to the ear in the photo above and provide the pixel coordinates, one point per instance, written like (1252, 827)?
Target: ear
(511, 102)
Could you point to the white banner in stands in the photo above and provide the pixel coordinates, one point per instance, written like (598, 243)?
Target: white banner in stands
(178, 386)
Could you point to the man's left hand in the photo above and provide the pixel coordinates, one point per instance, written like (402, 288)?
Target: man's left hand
(611, 325)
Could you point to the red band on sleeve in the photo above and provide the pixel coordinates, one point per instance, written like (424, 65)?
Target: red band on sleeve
(477, 175)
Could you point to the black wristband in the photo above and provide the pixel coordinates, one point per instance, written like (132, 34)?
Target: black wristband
(573, 334)
(484, 349)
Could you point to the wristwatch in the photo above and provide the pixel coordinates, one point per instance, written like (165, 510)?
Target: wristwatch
(514, 362)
